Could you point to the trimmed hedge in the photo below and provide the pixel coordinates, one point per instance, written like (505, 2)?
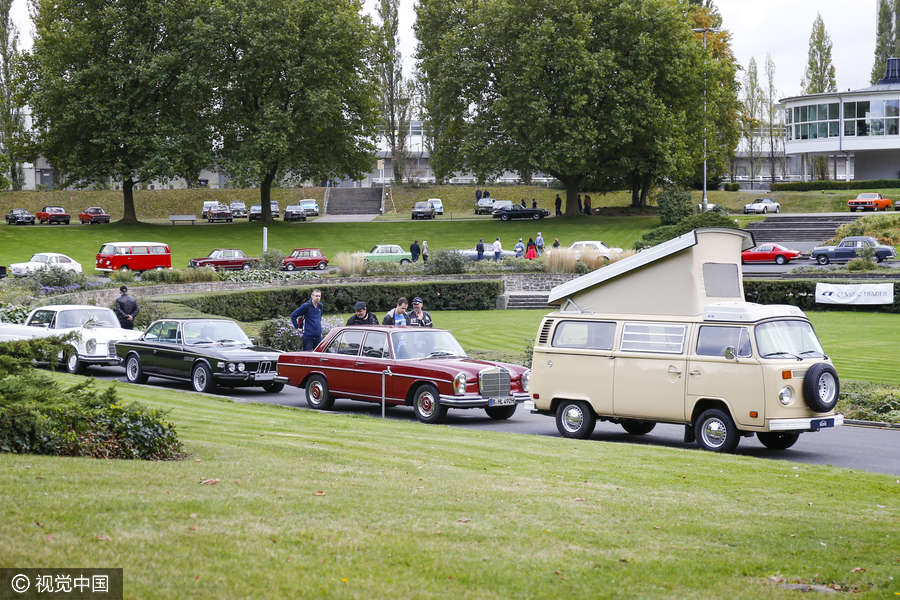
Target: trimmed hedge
(809, 186)
(802, 294)
(258, 305)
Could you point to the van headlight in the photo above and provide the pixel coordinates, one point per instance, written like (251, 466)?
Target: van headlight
(526, 380)
(786, 396)
(459, 384)
(91, 346)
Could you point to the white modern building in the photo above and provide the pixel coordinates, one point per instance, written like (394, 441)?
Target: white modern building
(864, 124)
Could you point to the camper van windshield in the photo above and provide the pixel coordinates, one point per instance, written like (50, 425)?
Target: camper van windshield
(778, 339)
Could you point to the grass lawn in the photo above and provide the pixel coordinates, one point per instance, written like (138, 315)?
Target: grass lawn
(307, 504)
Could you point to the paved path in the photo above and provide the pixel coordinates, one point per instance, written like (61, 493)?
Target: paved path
(346, 218)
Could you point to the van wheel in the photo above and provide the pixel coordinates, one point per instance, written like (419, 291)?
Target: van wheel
(638, 427)
(124, 268)
(575, 419)
(821, 387)
(500, 413)
(427, 405)
(317, 394)
(777, 440)
(715, 431)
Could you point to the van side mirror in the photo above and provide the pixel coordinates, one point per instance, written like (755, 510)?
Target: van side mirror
(730, 353)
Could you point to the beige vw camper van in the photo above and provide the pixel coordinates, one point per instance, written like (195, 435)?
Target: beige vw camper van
(665, 336)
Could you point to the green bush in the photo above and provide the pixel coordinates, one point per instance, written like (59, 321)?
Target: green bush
(279, 333)
(675, 204)
(13, 313)
(666, 233)
(180, 276)
(120, 277)
(271, 260)
(802, 294)
(258, 305)
(731, 187)
(444, 261)
(807, 186)
(393, 269)
(38, 415)
(869, 402)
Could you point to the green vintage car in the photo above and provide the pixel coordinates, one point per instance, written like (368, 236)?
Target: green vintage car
(386, 252)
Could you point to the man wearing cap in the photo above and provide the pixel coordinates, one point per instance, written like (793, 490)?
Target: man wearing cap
(126, 309)
(519, 248)
(362, 316)
(419, 317)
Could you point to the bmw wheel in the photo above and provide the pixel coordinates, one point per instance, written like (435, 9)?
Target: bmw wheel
(133, 371)
(202, 380)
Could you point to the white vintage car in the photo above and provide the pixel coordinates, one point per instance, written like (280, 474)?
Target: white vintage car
(42, 260)
(98, 330)
(579, 248)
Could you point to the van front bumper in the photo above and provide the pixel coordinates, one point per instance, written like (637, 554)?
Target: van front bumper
(806, 424)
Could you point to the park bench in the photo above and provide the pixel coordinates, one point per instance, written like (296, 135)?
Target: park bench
(176, 218)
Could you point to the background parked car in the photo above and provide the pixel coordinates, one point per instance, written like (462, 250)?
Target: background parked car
(484, 206)
(208, 205)
(870, 201)
(849, 248)
(238, 210)
(220, 212)
(580, 247)
(305, 258)
(438, 205)
(294, 213)
(762, 206)
(133, 256)
(770, 253)
(386, 253)
(255, 213)
(44, 259)
(310, 206)
(423, 210)
(225, 259)
(19, 216)
(93, 214)
(498, 204)
(53, 214)
(472, 253)
(517, 211)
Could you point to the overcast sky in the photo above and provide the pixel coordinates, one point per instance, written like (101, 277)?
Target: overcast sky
(758, 27)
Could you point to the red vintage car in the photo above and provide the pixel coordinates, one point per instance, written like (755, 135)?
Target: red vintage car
(53, 214)
(769, 253)
(424, 368)
(92, 215)
(304, 258)
(225, 259)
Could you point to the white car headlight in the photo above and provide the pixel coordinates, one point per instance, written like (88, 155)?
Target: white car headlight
(231, 367)
(786, 395)
(526, 380)
(241, 366)
(91, 346)
(459, 384)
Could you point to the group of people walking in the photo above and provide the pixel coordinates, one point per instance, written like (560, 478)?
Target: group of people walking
(307, 319)
(533, 249)
(417, 251)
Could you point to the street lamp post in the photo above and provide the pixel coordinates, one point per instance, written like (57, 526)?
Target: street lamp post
(703, 30)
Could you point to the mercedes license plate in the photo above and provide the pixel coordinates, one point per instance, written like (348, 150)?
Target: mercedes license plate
(504, 401)
(265, 376)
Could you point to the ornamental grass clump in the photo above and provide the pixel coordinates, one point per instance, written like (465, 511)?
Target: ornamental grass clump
(561, 260)
(350, 265)
(39, 415)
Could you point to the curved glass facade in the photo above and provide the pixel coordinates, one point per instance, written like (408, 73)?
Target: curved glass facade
(861, 118)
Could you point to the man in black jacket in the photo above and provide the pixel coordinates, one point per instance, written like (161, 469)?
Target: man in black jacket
(362, 316)
(415, 250)
(419, 317)
(126, 309)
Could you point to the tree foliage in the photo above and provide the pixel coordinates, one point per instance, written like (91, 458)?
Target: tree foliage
(297, 93)
(753, 116)
(578, 89)
(819, 75)
(120, 88)
(395, 93)
(13, 137)
(885, 43)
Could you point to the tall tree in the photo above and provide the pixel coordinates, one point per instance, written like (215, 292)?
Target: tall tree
(819, 78)
(120, 88)
(884, 39)
(578, 89)
(13, 135)
(753, 117)
(395, 93)
(819, 75)
(298, 92)
(774, 129)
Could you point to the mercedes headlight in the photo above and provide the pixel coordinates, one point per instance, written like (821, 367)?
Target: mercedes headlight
(459, 384)
(526, 380)
(91, 346)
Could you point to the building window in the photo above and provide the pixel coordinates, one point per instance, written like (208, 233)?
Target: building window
(815, 121)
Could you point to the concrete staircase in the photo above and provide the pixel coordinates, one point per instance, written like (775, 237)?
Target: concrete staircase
(527, 300)
(354, 201)
(798, 228)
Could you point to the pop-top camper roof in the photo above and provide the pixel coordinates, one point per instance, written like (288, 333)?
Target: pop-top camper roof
(678, 277)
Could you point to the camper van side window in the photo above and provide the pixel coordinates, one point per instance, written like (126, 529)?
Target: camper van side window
(712, 341)
(584, 334)
(653, 337)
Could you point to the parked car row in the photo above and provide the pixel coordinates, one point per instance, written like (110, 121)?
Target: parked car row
(56, 215)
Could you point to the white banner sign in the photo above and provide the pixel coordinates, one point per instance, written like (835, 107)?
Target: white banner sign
(863, 293)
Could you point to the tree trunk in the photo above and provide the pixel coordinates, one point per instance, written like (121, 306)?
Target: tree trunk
(265, 195)
(130, 216)
(645, 190)
(573, 185)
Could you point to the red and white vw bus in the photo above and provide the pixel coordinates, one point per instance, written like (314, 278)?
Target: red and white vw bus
(133, 256)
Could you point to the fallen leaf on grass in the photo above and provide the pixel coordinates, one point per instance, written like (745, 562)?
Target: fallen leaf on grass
(38, 523)
(198, 460)
(624, 560)
(438, 532)
(192, 528)
(105, 538)
(464, 520)
(193, 515)
(320, 494)
(579, 499)
(209, 482)
(857, 570)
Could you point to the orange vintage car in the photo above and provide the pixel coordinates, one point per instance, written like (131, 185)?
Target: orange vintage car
(869, 201)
